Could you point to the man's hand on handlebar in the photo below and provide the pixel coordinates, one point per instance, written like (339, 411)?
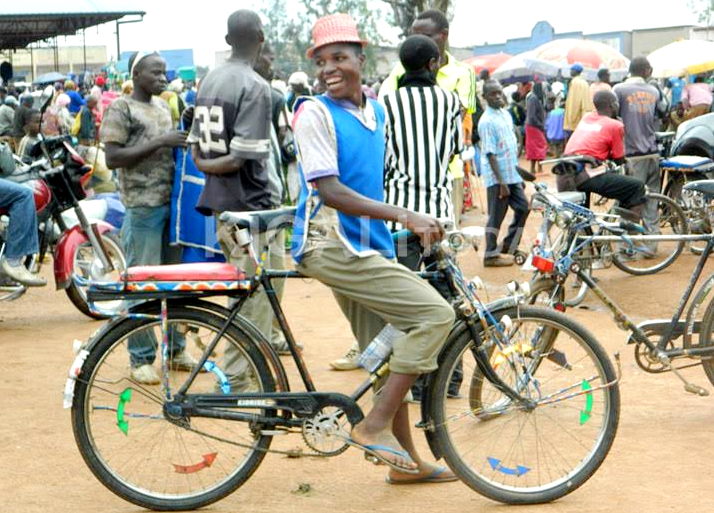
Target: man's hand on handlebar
(427, 228)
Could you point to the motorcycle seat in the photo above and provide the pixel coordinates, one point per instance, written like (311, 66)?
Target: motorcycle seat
(261, 220)
(705, 187)
(687, 163)
(201, 271)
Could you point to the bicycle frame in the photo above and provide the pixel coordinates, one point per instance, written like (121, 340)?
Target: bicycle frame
(295, 405)
(673, 328)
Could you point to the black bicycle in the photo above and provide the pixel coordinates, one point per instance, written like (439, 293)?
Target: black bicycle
(656, 341)
(535, 425)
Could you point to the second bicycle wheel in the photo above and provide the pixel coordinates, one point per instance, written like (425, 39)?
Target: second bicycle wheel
(135, 446)
(526, 455)
(643, 258)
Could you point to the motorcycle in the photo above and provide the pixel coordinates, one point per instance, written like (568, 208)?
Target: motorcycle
(89, 249)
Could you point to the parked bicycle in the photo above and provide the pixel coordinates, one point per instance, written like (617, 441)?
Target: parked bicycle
(539, 419)
(656, 346)
(566, 216)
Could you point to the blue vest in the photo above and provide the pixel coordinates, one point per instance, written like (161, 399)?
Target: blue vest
(360, 160)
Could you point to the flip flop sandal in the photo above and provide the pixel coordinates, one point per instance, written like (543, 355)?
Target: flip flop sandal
(435, 477)
(372, 454)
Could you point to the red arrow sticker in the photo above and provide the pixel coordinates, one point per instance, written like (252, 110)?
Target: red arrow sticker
(208, 460)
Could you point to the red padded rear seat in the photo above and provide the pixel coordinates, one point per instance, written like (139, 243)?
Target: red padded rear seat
(205, 271)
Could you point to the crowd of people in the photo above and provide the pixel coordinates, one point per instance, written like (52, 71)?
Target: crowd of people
(361, 163)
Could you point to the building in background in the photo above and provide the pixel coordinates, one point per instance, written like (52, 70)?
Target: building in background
(630, 43)
(29, 63)
(176, 61)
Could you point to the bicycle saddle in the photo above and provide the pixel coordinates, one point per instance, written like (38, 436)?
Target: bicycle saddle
(261, 220)
(705, 187)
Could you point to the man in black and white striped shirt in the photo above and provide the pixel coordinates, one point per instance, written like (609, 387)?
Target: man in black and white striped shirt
(423, 130)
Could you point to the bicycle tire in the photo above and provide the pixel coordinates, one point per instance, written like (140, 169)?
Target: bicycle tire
(542, 293)
(520, 483)
(147, 439)
(705, 339)
(674, 215)
(78, 295)
(697, 219)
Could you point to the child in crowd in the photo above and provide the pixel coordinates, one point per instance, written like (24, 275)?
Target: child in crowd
(554, 126)
(32, 133)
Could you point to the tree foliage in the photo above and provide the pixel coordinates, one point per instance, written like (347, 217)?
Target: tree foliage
(703, 9)
(289, 33)
(404, 12)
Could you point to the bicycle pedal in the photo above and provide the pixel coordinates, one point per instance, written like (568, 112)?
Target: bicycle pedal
(695, 389)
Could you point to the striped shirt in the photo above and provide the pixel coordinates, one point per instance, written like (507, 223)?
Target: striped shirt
(423, 131)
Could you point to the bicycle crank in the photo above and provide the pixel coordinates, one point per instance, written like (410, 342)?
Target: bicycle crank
(689, 387)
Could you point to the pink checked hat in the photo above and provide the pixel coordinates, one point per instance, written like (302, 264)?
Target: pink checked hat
(336, 28)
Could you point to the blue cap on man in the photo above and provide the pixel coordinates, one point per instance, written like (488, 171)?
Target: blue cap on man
(577, 67)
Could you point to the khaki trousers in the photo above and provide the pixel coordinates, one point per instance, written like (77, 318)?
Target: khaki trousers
(373, 291)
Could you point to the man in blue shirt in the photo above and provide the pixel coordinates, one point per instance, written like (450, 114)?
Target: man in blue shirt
(504, 186)
(676, 86)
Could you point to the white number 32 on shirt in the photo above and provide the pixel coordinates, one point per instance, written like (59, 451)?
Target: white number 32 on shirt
(210, 123)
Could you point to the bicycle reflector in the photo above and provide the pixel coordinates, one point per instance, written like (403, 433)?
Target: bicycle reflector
(545, 265)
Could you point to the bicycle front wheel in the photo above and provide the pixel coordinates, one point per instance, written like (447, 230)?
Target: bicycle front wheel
(128, 438)
(643, 258)
(520, 453)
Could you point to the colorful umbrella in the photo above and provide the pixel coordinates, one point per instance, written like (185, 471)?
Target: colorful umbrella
(558, 55)
(490, 62)
(684, 57)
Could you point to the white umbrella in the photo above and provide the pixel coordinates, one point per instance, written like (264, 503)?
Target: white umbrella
(685, 57)
(514, 69)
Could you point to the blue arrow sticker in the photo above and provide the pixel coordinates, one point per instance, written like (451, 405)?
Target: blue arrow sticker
(496, 465)
(225, 384)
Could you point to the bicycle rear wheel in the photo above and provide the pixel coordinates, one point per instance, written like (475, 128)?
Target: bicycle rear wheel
(648, 258)
(519, 455)
(128, 439)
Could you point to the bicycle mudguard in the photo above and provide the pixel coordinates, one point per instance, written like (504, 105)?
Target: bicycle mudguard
(279, 374)
(154, 307)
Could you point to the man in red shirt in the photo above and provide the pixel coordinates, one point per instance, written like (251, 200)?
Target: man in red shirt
(600, 136)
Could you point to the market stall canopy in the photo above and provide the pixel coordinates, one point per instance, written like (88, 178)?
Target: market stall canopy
(491, 62)
(50, 78)
(29, 21)
(684, 57)
(558, 55)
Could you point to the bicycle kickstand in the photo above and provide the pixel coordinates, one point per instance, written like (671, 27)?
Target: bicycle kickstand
(689, 387)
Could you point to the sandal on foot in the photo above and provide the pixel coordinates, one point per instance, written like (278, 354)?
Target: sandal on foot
(440, 475)
(373, 452)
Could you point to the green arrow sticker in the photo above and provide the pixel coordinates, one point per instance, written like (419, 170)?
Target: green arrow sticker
(124, 398)
(585, 414)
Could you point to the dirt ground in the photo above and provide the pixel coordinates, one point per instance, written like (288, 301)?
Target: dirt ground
(661, 459)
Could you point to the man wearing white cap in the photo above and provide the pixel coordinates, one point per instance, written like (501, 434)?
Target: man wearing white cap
(138, 136)
(340, 238)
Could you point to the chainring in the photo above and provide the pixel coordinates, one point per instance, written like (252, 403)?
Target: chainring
(327, 431)
(646, 360)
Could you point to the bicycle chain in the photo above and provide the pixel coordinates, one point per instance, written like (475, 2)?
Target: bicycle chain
(295, 453)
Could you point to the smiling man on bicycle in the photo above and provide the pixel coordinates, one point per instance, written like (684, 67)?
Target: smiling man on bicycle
(600, 136)
(341, 239)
